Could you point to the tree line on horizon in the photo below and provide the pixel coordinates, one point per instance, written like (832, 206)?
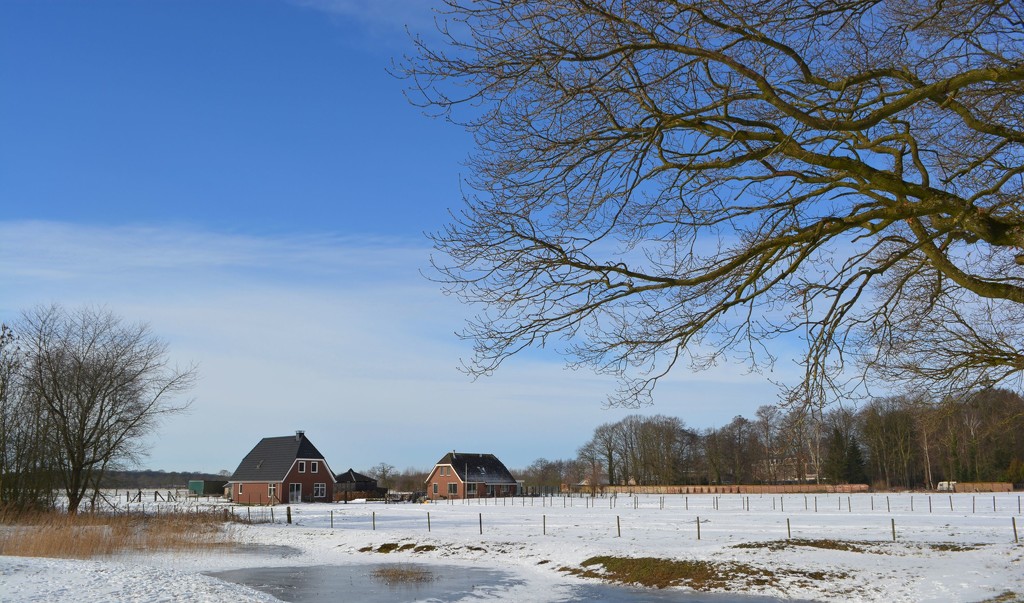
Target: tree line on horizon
(894, 442)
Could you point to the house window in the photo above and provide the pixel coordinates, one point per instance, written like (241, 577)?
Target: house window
(313, 466)
(453, 489)
(239, 488)
(302, 466)
(471, 488)
(272, 492)
(435, 489)
(319, 490)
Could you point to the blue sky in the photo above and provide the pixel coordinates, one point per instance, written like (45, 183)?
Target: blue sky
(246, 177)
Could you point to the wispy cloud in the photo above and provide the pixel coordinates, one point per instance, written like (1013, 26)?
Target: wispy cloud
(343, 337)
(380, 15)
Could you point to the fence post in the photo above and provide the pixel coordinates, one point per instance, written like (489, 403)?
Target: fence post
(893, 520)
(789, 532)
(698, 527)
(544, 519)
(1014, 519)
(428, 521)
(332, 519)
(373, 520)
(288, 511)
(618, 526)
(481, 523)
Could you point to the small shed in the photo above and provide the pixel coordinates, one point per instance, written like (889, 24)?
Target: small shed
(206, 487)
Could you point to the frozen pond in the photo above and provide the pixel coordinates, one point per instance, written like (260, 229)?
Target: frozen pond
(447, 583)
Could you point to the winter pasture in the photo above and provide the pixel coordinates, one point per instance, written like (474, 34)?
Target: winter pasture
(858, 547)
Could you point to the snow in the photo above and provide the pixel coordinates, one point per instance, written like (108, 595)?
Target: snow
(967, 554)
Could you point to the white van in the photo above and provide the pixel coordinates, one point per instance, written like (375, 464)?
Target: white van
(947, 487)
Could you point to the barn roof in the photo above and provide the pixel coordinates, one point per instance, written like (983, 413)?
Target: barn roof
(351, 476)
(472, 467)
(271, 459)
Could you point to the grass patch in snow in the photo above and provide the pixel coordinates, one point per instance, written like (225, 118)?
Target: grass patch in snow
(391, 547)
(823, 543)
(402, 574)
(654, 572)
(88, 535)
(1005, 597)
(849, 546)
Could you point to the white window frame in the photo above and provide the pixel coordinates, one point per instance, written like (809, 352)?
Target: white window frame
(314, 467)
(271, 491)
(320, 490)
(453, 489)
(302, 466)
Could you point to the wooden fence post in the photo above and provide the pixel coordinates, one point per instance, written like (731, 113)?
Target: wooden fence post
(288, 511)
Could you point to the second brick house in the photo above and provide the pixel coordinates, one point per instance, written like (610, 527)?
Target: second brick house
(470, 475)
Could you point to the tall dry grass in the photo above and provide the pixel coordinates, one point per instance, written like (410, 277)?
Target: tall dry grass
(87, 535)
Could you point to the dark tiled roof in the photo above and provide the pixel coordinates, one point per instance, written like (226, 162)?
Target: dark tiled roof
(351, 476)
(478, 468)
(271, 459)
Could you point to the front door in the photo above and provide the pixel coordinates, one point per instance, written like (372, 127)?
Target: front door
(294, 493)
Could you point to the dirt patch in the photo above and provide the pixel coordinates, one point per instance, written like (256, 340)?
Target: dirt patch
(653, 572)
(1006, 597)
(877, 548)
(828, 544)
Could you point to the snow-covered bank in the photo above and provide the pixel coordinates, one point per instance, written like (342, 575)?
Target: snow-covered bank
(964, 554)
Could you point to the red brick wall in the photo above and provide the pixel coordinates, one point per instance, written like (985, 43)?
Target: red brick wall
(308, 479)
(442, 482)
(253, 493)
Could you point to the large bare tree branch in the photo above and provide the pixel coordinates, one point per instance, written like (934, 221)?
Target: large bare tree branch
(666, 181)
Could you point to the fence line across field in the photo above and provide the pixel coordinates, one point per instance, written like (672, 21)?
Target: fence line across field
(795, 512)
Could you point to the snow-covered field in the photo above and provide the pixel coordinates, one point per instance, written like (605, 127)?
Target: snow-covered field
(964, 554)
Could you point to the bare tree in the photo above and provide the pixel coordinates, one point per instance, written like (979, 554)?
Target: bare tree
(101, 385)
(666, 182)
(382, 472)
(27, 458)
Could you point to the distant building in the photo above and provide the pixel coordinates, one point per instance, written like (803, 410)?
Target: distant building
(470, 475)
(351, 485)
(283, 469)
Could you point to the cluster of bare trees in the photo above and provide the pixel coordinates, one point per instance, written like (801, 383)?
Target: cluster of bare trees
(78, 391)
(897, 442)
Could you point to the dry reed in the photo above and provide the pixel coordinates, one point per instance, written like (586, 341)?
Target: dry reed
(87, 535)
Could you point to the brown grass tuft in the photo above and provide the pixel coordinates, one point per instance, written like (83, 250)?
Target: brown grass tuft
(403, 574)
(83, 536)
